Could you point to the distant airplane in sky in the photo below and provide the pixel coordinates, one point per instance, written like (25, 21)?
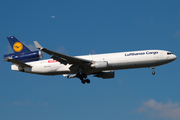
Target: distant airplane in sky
(99, 65)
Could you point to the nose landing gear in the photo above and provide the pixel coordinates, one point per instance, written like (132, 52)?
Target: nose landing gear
(153, 70)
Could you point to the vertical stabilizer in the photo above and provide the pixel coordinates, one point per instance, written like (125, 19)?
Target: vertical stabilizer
(17, 46)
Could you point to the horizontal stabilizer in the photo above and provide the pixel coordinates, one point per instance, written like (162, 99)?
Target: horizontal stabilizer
(17, 63)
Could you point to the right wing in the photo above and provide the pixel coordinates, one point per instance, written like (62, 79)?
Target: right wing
(62, 58)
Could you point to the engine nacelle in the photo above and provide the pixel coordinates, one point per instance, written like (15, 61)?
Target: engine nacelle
(105, 74)
(100, 65)
(26, 57)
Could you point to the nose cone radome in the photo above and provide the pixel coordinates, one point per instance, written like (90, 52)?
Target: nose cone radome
(174, 57)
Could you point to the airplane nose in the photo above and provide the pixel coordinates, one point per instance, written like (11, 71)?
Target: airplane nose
(174, 57)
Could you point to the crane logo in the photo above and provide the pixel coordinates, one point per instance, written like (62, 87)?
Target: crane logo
(17, 47)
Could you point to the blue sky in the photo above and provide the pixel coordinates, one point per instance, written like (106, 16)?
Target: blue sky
(85, 27)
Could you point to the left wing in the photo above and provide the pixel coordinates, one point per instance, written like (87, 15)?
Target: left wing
(62, 58)
(17, 63)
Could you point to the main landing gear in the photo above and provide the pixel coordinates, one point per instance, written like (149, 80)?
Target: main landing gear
(83, 77)
(153, 70)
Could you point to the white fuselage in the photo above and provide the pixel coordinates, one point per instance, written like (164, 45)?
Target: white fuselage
(121, 60)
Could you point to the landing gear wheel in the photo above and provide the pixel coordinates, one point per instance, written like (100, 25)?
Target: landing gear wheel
(83, 81)
(88, 81)
(153, 73)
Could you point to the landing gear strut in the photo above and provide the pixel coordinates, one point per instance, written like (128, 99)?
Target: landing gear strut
(153, 70)
(82, 76)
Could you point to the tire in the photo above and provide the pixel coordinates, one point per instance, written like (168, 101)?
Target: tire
(83, 81)
(88, 81)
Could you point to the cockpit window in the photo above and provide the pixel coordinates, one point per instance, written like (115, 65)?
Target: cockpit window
(169, 53)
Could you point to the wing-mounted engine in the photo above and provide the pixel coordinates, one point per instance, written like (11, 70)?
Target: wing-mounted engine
(105, 74)
(99, 65)
(25, 57)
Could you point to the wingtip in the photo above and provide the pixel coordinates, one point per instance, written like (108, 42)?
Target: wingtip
(38, 46)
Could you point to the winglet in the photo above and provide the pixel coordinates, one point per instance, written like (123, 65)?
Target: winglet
(38, 46)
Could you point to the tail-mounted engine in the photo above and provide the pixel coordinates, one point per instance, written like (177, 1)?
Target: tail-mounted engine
(105, 74)
(25, 57)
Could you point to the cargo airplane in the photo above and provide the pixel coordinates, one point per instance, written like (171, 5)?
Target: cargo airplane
(99, 65)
